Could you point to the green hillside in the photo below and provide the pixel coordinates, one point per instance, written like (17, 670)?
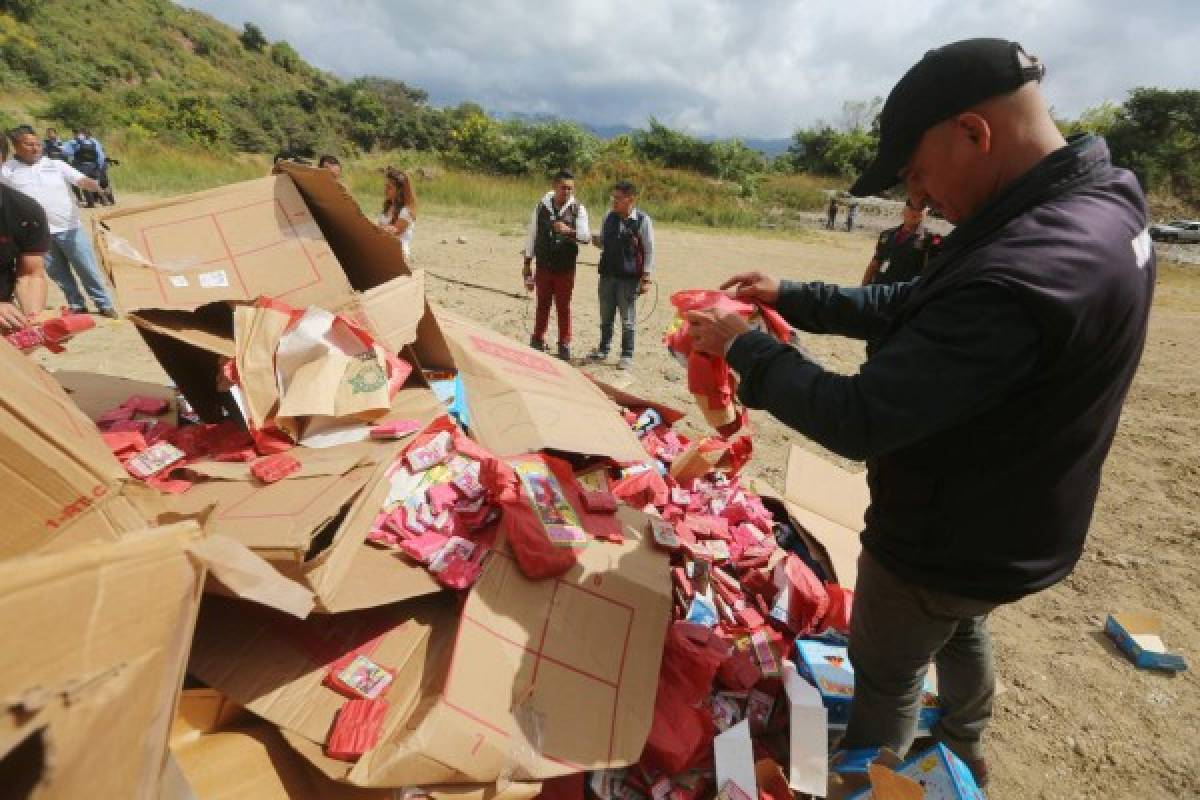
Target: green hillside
(159, 70)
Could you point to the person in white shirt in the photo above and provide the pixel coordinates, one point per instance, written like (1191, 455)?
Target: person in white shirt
(399, 212)
(49, 182)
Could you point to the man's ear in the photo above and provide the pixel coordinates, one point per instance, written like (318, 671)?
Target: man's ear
(977, 130)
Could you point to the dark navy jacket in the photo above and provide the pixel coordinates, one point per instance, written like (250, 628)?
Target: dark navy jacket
(987, 410)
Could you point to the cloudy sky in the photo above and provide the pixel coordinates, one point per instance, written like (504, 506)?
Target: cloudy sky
(718, 67)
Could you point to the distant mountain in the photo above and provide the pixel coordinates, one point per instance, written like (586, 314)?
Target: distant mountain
(768, 147)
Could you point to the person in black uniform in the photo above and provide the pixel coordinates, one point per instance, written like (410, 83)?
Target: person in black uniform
(902, 252)
(54, 147)
(24, 240)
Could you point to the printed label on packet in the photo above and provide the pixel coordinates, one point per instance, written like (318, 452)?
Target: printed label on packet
(664, 533)
(430, 454)
(365, 677)
(178, 281)
(217, 279)
(559, 519)
(154, 459)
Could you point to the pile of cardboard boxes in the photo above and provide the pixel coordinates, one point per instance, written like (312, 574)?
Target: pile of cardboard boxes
(180, 645)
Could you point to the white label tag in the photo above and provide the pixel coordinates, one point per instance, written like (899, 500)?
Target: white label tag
(213, 280)
(178, 281)
(1142, 248)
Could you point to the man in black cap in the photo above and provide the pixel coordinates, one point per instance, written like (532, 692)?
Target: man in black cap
(989, 403)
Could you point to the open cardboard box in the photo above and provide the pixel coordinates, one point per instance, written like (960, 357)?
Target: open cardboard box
(176, 266)
(528, 680)
(96, 640)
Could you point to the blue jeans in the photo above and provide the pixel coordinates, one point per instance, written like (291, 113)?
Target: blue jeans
(72, 249)
(618, 294)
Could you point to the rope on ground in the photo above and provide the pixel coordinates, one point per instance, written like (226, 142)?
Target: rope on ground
(527, 297)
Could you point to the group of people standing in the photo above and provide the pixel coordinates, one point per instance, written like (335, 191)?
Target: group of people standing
(40, 225)
(558, 226)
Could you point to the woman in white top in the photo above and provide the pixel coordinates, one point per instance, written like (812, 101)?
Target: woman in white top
(399, 212)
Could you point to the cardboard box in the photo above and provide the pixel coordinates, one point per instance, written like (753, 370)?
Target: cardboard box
(520, 400)
(828, 668)
(571, 671)
(1140, 637)
(64, 486)
(940, 774)
(96, 639)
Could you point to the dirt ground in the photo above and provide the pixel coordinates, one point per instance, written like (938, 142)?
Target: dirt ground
(1074, 718)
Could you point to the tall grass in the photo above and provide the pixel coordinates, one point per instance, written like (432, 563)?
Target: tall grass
(669, 195)
(151, 167)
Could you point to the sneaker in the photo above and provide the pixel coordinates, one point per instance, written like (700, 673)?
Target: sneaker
(537, 344)
(626, 362)
(598, 355)
(111, 313)
(564, 352)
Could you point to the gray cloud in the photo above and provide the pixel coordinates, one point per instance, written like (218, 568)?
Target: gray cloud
(717, 66)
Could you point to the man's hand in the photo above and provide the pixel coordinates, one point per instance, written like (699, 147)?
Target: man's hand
(11, 318)
(753, 286)
(562, 228)
(713, 330)
(644, 285)
(89, 184)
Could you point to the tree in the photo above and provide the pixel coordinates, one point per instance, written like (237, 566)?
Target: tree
(1157, 135)
(252, 38)
(284, 55)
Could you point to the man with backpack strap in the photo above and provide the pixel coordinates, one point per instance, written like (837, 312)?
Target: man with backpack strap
(559, 225)
(626, 266)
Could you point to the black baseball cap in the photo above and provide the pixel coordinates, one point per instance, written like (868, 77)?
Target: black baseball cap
(946, 81)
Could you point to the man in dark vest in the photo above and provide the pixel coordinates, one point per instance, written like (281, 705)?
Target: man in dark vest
(86, 155)
(990, 402)
(53, 147)
(626, 270)
(559, 225)
(902, 252)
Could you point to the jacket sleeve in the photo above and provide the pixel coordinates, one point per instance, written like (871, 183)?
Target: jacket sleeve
(532, 232)
(647, 234)
(956, 358)
(583, 233)
(859, 312)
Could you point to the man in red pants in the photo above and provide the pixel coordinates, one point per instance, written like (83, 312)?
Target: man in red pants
(558, 226)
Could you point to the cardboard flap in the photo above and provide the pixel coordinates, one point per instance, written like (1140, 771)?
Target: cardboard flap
(94, 393)
(62, 481)
(573, 671)
(275, 665)
(277, 520)
(103, 633)
(392, 311)
(251, 578)
(829, 502)
(313, 462)
(522, 401)
(369, 256)
(233, 243)
(628, 400)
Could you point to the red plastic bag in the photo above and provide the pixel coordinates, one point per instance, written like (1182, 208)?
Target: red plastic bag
(356, 729)
(642, 489)
(682, 731)
(539, 522)
(841, 604)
